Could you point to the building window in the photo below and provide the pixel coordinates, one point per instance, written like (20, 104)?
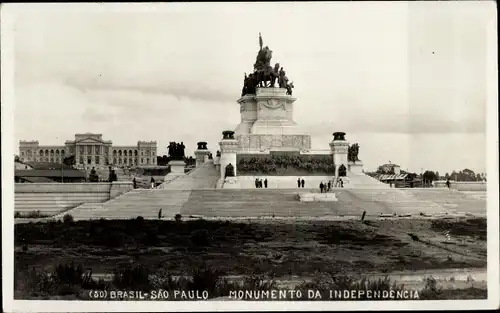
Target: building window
(89, 160)
(22, 153)
(81, 160)
(97, 150)
(142, 160)
(135, 152)
(57, 152)
(114, 160)
(97, 160)
(119, 152)
(82, 151)
(62, 152)
(147, 161)
(119, 161)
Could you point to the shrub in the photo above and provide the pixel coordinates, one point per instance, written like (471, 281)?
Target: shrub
(199, 237)
(258, 282)
(134, 278)
(68, 219)
(178, 217)
(205, 279)
(69, 273)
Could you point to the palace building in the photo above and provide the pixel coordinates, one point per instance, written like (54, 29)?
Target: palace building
(91, 150)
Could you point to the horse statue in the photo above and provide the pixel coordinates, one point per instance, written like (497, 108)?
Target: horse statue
(289, 88)
(268, 74)
(352, 153)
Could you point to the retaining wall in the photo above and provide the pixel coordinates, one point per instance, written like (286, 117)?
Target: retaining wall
(50, 198)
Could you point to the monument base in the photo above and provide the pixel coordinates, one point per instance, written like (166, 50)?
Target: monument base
(356, 167)
(176, 169)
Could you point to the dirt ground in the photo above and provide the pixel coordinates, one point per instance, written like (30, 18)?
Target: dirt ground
(277, 249)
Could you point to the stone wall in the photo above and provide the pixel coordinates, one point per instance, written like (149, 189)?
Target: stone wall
(468, 186)
(50, 198)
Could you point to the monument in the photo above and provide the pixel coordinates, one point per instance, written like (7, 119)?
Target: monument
(177, 161)
(202, 154)
(266, 108)
(267, 128)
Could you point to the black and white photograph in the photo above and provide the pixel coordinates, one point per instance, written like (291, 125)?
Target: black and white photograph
(249, 156)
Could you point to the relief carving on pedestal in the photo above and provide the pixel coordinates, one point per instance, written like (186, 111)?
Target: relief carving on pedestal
(287, 141)
(254, 142)
(266, 141)
(273, 104)
(244, 141)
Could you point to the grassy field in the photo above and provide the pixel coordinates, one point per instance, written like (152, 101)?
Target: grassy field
(273, 249)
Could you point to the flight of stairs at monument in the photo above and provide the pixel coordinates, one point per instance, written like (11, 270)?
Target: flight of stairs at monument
(262, 203)
(138, 202)
(232, 203)
(402, 201)
(452, 199)
(362, 180)
(278, 182)
(205, 176)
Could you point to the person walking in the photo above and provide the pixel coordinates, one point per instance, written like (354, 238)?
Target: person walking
(448, 183)
(303, 182)
(152, 182)
(298, 182)
(135, 183)
(329, 186)
(256, 183)
(321, 186)
(265, 182)
(160, 214)
(341, 183)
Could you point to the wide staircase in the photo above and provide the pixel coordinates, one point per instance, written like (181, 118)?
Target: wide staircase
(270, 203)
(170, 198)
(364, 181)
(205, 176)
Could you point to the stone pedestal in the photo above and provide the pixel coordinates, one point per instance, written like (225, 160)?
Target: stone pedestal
(201, 157)
(339, 147)
(356, 167)
(176, 169)
(228, 150)
(267, 123)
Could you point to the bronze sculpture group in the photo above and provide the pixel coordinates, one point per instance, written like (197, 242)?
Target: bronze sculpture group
(176, 150)
(352, 153)
(264, 74)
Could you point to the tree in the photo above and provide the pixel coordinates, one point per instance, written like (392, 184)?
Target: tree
(69, 160)
(438, 177)
(429, 176)
(446, 176)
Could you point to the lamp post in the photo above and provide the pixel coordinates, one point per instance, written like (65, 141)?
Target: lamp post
(422, 176)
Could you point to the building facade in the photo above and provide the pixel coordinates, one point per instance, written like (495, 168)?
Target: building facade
(90, 150)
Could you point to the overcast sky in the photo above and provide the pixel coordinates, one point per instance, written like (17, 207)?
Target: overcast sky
(405, 81)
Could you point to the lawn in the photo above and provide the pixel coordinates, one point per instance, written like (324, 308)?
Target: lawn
(275, 249)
